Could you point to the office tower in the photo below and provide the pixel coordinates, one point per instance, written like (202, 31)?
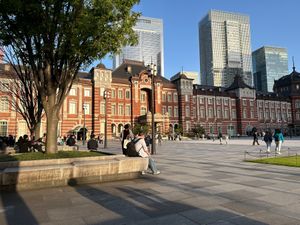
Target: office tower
(150, 47)
(225, 49)
(269, 64)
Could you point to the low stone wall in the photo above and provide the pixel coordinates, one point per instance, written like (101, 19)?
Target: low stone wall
(35, 174)
(12, 151)
(66, 148)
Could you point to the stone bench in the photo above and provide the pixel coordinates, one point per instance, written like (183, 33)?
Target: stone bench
(34, 174)
(12, 151)
(8, 150)
(66, 148)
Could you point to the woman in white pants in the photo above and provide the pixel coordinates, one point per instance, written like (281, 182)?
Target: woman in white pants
(278, 137)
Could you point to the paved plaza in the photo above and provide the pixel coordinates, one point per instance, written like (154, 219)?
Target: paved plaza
(201, 182)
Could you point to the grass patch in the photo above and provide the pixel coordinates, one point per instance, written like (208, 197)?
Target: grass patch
(41, 156)
(283, 161)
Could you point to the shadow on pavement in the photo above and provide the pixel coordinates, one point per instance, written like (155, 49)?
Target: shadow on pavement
(14, 209)
(143, 206)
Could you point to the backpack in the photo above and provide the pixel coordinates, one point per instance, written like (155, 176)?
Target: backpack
(71, 142)
(276, 137)
(131, 152)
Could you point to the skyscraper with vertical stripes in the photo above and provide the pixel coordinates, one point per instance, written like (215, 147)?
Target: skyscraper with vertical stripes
(225, 48)
(150, 46)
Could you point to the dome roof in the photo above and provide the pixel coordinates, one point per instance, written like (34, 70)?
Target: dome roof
(288, 79)
(101, 66)
(182, 75)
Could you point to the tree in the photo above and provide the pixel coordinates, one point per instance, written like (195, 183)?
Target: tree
(140, 128)
(198, 130)
(179, 129)
(23, 94)
(55, 38)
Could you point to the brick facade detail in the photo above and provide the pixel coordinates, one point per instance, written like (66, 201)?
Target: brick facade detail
(235, 110)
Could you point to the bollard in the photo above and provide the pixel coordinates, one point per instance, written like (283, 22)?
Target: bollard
(259, 153)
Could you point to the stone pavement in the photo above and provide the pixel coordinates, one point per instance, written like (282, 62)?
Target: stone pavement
(201, 183)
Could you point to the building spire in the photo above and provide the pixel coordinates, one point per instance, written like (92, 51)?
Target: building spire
(294, 68)
(182, 70)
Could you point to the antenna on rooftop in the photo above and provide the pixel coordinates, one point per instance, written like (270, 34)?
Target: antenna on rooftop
(293, 64)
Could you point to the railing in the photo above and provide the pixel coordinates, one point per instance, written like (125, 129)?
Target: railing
(264, 154)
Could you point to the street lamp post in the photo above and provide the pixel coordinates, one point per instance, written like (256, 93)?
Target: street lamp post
(83, 134)
(106, 96)
(215, 112)
(152, 72)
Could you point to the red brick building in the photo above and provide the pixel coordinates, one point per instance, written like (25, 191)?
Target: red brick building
(236, 109)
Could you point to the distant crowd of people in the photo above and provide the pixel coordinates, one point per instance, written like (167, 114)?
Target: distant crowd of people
(23, 144)
(174, 136)
(268, 138)
(28, 143)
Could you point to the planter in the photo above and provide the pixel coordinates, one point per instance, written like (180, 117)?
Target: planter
(24, 175)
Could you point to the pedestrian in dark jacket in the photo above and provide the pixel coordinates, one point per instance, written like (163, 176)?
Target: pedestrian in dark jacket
(268, 139)
(255, 138)
(72, 142)
(25, 145)
(92, 143)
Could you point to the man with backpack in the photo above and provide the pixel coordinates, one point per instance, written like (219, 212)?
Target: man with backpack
(72, 142)
(126, 134)
(92, 143)
(141, 150)
(278, 138)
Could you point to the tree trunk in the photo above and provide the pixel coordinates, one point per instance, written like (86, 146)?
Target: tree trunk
(52, 115)
(51, 139)
(37, 131)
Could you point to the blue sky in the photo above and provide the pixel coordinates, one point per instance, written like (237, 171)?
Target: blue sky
(273, 23)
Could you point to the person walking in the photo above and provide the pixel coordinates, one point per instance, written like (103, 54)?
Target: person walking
(226, 139)
(278, 138)
(141, 148)
(126, 134)
(159, 138)
(220, 137)
(255, 138)
(268, 139)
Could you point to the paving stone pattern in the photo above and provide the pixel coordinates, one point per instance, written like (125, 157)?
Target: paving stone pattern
(201, 183)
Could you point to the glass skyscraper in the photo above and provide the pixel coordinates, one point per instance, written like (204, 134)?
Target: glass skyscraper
(150, 47)
(225, 48)
(269, 64)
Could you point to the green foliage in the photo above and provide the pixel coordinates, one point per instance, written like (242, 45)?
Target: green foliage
(284, 161)
(55, 38)
(198, 130)
(73, 30)
(40, 156)
(179, 129)
(140, 128)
